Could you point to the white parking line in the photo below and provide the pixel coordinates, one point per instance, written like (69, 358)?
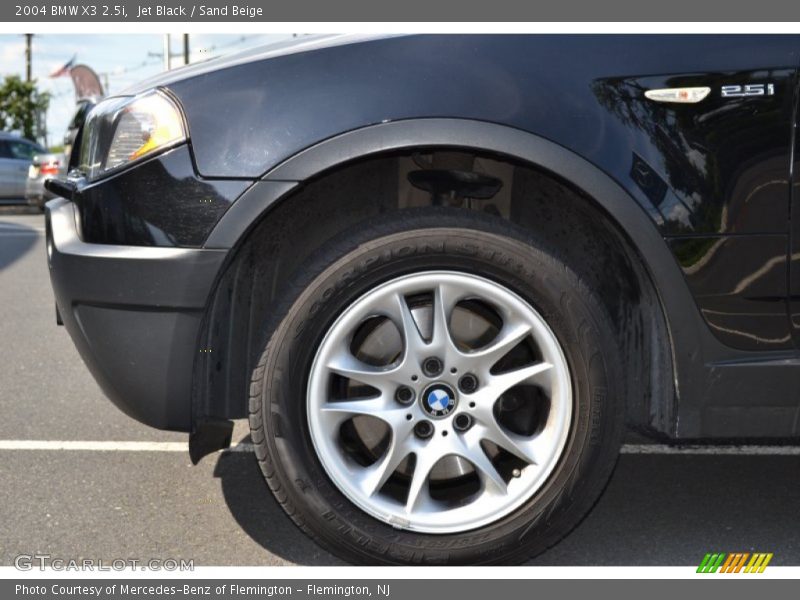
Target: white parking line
(111, 446)
(13, 229)
(94, 446)
(710, 449)
(6, 225)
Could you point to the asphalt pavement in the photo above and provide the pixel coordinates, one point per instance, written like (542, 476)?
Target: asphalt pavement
(659, 509)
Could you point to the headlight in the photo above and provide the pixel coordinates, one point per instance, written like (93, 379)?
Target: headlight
(120, 131)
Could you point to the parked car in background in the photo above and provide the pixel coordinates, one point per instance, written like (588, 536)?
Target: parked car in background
(43, 167)
(16, 154)
(48, 165)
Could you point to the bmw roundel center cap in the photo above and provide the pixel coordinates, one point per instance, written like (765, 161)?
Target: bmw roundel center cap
(439, 400)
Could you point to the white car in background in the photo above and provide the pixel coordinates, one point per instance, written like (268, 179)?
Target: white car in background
(16, 154)
(43, 167)
(50, 165)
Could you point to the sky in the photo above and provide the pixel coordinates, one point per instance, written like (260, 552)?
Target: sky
(121, 59)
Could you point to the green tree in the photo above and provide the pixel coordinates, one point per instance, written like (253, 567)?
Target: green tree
(21, 105)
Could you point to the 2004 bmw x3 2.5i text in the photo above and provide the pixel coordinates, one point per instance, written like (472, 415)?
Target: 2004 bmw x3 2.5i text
(443, 274)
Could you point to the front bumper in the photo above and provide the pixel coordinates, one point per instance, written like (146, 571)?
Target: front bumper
(134, 313)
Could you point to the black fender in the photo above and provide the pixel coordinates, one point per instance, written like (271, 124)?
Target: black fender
(696, 354)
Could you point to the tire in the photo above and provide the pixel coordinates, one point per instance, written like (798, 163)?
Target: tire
(543, 500)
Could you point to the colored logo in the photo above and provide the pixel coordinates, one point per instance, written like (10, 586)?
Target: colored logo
(735, 562)
(439, 400)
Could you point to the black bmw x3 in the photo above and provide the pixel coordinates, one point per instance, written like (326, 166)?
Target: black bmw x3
(444, 275)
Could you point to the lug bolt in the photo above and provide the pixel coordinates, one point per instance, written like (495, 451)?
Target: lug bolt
(404, 395)
(468, 383)
(462, 422)
(516, 473)
(432, 366)
(423, 430)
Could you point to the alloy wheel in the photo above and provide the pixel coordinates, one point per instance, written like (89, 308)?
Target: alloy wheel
(439, 402)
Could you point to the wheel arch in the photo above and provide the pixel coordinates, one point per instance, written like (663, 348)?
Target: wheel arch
(283, 185)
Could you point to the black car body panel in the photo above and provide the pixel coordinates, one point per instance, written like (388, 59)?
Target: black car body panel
(695, 169)
(134, 314)
(794, 220)
(703, 191)
(128, 208)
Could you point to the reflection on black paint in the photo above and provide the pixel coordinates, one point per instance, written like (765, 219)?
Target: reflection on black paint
(739, 283)
(650, 182)
(720, 167)
(159, 203)
(724, 160)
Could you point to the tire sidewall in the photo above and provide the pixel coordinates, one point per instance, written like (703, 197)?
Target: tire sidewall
(342, 272)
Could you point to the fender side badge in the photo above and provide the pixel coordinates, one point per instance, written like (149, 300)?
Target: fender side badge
(689, 95)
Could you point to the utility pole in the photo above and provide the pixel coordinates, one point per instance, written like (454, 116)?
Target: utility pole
(167, 53)
(28, 59)
(186, 48)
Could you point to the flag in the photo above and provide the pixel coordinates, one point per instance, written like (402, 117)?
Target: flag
(65, 69)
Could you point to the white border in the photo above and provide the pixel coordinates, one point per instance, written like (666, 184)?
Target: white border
(354, 574)
(387, 573)
(404, 27)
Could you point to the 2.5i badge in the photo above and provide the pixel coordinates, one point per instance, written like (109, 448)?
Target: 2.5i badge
(693, 95)
(751, 89)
